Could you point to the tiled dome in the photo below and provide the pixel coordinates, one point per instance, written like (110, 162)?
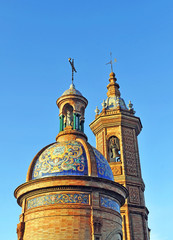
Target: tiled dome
(68, 158)
(72, 90)
(114, 102)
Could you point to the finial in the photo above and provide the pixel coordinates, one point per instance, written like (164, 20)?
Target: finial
(71, 61)
(131, 109)
(130, 105)
(104, 104)
(97, 111)
(110, 62)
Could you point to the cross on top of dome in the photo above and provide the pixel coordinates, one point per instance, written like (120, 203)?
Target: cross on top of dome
(71, 61)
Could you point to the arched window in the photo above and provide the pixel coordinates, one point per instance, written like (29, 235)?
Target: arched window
(68, 115)
(118, 237)
(115, 235)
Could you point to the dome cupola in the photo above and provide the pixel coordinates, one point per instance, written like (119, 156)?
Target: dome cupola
(72, 111)
(71, 154)
(72, 90)
(70, 186)
(69, 158)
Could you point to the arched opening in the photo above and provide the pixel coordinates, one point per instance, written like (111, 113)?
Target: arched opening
(115, 235)
(66, 119)
(72, 117)
(82, 119)
(114, 149)
(68, 115)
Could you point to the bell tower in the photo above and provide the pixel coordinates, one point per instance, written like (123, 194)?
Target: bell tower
(116, 129)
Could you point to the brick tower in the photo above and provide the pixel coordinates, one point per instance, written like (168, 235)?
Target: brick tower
(116, 129)
(70, 191)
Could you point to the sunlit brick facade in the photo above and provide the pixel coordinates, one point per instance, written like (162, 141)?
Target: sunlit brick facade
(116, 129)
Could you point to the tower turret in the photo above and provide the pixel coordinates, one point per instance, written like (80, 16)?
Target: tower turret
(116, 129)
(71, 112)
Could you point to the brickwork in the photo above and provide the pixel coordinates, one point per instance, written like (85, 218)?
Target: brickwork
(129, 152)
(58, 224)
(93, 210)
(137, 222)
(127, 171)
(100, 143)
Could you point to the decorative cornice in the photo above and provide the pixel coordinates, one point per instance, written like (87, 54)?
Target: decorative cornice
(136, 209)
(71, 97)
(114, 120)
(71, 134)
(63, 183)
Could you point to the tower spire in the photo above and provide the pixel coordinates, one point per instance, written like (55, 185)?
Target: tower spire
(113, 87)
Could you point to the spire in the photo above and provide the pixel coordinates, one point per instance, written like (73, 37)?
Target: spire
(113, 101)
(113, 87)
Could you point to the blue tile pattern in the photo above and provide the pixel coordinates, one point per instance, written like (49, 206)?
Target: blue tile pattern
(109, 203)
(61, 158)
(59, 198)
(103, 168)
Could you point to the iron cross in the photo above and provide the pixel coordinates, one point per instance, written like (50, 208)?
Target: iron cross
(71, 61)
(110, 62)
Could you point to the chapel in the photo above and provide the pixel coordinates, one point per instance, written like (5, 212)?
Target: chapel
(76, 191)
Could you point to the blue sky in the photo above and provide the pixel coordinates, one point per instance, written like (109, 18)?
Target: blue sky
(36, 39)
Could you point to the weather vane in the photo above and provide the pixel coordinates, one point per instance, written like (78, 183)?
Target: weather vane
(110, 62)
(71, 61)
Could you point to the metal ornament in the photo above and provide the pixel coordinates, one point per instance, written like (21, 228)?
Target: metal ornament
(110, 62)
(71, 61)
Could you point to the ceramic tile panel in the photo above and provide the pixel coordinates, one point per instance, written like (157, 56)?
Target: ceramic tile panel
(58, 198)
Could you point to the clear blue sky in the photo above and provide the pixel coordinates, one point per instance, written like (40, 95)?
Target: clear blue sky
(36, 39)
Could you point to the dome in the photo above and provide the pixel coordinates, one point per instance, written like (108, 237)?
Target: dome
(114, 102)
(72, 90)
(70, 158)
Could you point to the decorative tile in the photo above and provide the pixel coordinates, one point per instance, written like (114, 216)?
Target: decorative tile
(134, 194)
(130, 153)
(59, 198)
(117, 170)
(109, 203)
(115, 102)
(103, 168)
(61, 158)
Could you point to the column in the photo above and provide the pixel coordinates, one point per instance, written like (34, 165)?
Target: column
(74, 120)
(82, 125)
(61, 123)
